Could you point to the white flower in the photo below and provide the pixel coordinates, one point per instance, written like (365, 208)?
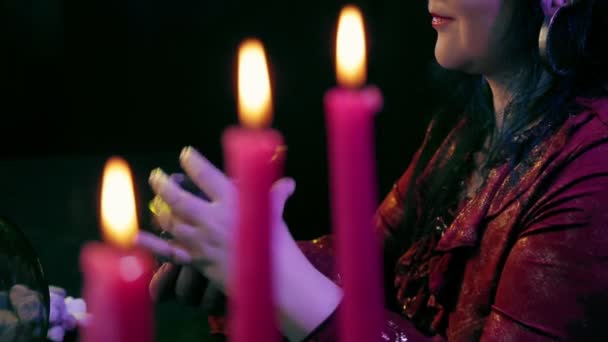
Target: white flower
(76, 312)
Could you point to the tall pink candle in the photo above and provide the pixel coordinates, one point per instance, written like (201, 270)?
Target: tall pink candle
(252, 160)
(350, 116)
(116, 275)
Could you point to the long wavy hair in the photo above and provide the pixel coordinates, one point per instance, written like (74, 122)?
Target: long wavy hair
(540, 98)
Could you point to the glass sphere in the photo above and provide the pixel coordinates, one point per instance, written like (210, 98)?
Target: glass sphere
(24, 291)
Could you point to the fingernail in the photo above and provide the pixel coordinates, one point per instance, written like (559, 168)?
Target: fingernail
(157, 206)
(186, 151)
(158, 176)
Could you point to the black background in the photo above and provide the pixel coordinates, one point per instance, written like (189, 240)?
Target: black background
(83, 80)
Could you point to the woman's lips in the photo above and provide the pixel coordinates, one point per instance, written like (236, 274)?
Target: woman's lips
(440, 20)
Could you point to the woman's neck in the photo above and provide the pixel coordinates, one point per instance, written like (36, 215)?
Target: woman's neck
(501, 97)
(503, 80)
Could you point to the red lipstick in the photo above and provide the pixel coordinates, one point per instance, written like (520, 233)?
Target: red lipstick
(440, 21)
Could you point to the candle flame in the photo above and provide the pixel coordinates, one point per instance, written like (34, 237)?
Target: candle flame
(350, 52)
(255, 98)
(118, 212)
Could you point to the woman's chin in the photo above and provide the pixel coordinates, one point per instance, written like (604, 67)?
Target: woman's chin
(451, 61)
(446, 59)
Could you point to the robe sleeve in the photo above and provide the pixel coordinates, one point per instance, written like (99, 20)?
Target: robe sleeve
(320, 253)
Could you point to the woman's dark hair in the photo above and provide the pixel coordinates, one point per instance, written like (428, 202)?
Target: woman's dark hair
(540, 98)
(537, 91)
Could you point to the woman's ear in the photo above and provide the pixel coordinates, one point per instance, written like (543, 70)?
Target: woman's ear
(551, 6)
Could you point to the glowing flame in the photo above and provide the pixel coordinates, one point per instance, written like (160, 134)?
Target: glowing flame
(255, 98)
(118, 212)
(350, 52)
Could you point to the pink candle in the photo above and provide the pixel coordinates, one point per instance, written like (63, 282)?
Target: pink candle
(252, 160)
(350, 119)
(116, 275)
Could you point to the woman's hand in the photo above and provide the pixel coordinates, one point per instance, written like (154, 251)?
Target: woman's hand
(203, 229)
(203, 232)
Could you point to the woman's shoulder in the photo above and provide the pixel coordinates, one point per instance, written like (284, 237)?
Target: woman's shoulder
(594, 111)
(575, 157)
(599, 104)
(588, 128)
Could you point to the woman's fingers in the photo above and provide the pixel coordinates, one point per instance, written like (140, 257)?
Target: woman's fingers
(163, 248)
(214, 269)
(181, 202)
(182, 282)
(186, 233)
(189, 245)
(171, 224)
(204, 174)
(164, 281)
(206, 258)
(194, 238)
(280, 192)
(190, 285)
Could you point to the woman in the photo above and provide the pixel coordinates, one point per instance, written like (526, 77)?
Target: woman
(493, 236)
